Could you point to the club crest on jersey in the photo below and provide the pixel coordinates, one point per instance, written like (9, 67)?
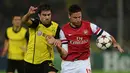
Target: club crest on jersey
(39, 33)
(85, 32)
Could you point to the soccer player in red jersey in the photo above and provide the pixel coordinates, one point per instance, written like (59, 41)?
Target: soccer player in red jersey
(76, 42)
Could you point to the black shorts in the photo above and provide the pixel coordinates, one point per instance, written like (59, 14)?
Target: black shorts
(15, 65)
(44, 67)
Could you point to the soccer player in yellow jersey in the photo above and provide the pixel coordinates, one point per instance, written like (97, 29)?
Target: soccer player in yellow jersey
(40, 55)
(15, 44)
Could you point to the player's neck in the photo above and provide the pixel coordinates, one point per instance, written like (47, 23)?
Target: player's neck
(75, 26)
(46, 25)
(16, 28)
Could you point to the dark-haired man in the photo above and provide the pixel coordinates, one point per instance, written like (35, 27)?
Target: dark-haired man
(78, 33)
(40, 55)
(15, 45)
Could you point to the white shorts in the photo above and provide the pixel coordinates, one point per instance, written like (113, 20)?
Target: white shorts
(79, 66)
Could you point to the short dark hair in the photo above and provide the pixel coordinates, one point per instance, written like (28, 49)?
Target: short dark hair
(43, 7)
(74, 8)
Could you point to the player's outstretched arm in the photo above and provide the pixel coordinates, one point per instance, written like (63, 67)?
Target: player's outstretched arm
(6, 44)
(60, 49)
(116, 45)
(26, 18)
(57, 43)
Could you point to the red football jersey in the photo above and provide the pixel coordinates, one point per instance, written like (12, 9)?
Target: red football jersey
(78, 41)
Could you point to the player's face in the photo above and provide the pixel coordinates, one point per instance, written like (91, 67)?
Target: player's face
(16, 21)
(75, 18)
(45, 17)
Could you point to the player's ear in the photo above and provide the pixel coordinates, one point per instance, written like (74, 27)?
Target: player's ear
(38, 15)
(69, 16)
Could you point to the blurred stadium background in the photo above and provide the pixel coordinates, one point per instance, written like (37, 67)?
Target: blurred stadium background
(111, 15)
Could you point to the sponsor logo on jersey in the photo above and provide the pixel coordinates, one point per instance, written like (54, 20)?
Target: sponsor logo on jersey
(79, 40)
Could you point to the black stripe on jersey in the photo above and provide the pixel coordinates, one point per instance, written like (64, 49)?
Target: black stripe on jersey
(64, 42)
(27, 35)
(6, 37)
(57, 33)
(100, 33)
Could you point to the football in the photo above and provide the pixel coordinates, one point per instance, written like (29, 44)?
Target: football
(103, 42)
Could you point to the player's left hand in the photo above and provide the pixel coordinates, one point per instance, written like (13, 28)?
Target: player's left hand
(50, 39)
(116, 45)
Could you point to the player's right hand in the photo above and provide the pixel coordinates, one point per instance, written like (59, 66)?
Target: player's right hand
(57, 43)
(32, 10)
(2, 53)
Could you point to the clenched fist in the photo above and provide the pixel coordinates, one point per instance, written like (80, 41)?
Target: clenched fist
(32, 10)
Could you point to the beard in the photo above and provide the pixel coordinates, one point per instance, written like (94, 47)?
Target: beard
(46, 22)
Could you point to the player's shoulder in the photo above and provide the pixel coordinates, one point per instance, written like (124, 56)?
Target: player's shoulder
(9, 28)
(86, 22)
(55, 23)
(23, 28)
(65, 25)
